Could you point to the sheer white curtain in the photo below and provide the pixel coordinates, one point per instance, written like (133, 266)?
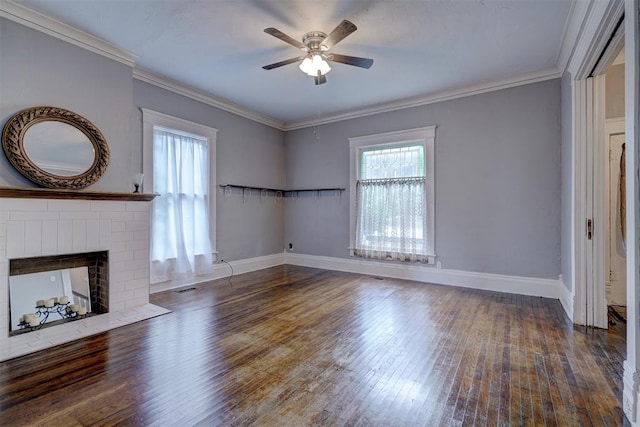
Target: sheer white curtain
(390, 221)
(180, 242)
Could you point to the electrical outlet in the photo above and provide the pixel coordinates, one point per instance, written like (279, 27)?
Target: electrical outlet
(290, 247)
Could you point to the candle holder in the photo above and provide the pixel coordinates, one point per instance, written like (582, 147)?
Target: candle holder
(43, 312)
(137, 182)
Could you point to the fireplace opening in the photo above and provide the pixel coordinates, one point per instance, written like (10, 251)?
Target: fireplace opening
(62, 276)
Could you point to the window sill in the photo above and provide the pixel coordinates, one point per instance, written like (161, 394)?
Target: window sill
(431, 259)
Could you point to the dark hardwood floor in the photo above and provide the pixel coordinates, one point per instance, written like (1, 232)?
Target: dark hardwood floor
(300, 346)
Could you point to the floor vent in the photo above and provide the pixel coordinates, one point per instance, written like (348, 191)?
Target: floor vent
(185, 290)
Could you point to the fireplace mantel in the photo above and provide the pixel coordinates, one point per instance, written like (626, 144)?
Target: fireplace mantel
(47, 193)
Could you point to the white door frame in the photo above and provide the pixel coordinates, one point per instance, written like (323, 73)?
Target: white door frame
(587, 70)
(590, 306)
(598, 315)
(594, 37)
(630, 395)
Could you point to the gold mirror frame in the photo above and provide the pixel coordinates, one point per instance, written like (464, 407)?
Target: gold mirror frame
(13, 146)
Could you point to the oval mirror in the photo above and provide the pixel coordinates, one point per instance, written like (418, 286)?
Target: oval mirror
(55, 148)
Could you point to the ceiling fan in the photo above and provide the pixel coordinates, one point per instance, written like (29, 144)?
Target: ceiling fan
(316, 45)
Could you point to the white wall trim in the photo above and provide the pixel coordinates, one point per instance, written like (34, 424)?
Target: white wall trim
(549, 74)
(630, 393)
(425, 136)
(566, 298)
(600, 204)
(597, 24)
(205, 98)
(549, 288)
(150, 119)
(222, 270)
(611, 55)
(157, 117)
(182, 89)
(572, 30)
(54, 28)
(57, 29)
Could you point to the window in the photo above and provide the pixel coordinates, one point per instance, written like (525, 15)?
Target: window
(392, 195)
(177, 156)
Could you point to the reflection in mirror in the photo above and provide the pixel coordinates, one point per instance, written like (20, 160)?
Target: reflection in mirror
(25, 290)
(59, 148)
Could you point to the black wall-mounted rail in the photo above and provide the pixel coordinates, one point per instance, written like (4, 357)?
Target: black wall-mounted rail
(283, 192)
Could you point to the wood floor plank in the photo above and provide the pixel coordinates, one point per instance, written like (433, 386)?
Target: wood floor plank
(293, 346)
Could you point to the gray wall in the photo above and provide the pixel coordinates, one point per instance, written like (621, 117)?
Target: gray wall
(498, 160)
(567, 178)
(37, 69)
(614, 95)
(248, 153)
(497, 182)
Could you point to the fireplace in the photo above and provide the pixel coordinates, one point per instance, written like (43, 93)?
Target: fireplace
(96, 292)
(41, 230)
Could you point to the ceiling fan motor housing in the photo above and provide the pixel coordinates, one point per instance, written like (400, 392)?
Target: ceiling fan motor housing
(313, 41)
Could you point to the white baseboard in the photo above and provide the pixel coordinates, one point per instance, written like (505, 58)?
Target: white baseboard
(566, 299)
(222, 270)
(549, 288)
(630, 395)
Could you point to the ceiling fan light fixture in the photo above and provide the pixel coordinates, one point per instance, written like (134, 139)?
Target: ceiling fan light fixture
(313, 64)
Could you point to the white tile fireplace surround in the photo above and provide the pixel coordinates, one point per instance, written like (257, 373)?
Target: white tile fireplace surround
(38, 223)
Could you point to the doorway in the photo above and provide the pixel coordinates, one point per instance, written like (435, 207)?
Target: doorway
(613, 289)
(600, 122)
(615, 252)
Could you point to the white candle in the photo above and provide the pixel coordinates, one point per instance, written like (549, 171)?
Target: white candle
(55, 299)
(40, 303)
(49, 303)
(64, 300)
(82, 311)
(74, 308)
(29, 317)
(33, 322)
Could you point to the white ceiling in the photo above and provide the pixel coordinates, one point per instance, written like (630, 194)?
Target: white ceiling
(420, 48)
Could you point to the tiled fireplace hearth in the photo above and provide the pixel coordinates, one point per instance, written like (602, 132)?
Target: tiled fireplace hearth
(46, 223)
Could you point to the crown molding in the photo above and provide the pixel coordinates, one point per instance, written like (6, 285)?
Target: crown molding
(205, 98)
(54, 28)
(37, 21)
(540, 76)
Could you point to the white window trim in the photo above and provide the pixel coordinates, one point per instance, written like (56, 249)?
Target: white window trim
(425, 136)
(152, 118)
